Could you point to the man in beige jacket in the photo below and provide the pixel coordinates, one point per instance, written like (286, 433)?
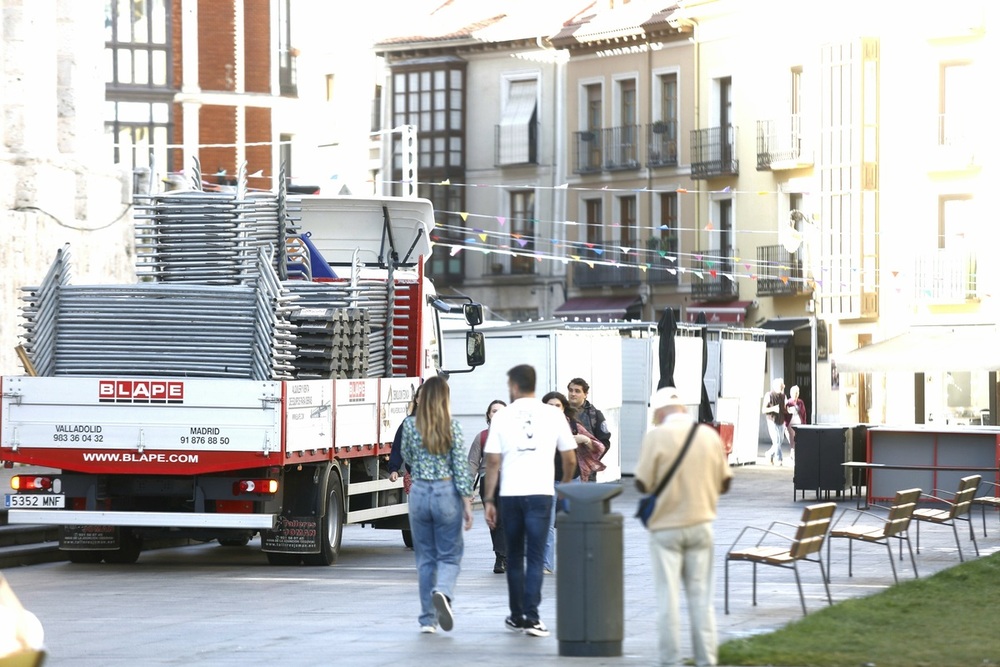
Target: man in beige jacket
(680, 528)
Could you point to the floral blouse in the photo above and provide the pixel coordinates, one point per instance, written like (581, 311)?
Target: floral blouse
(424, 465)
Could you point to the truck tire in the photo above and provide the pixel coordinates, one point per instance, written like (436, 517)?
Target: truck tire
(128, 553)
(331, 525)
(408, 539)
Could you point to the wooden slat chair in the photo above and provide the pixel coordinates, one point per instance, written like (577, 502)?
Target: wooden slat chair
(959, 508)
(808, 541)
(893, 526)
(987, 501)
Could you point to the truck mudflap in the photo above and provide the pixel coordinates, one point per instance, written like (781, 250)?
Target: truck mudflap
(292, 535)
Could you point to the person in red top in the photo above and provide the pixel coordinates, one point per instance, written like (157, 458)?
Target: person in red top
(796, 414)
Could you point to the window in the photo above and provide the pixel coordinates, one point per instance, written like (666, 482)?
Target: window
(594, 111)
(443, 265)
(517, 132)
(627, 231)
(138, 76)
(433, 101)
(287, 76)
(595, 232)
(796, 111)
(329, 87)
(377, 109)
(594, 125)
(285, 156)
(957, 98)
(663, 132)
(522, 230)
(137, 43)
(667, 238)
(625, 144)
(726, 137)
(955, 222)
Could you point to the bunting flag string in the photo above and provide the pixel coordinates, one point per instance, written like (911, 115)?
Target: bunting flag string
(834, 271)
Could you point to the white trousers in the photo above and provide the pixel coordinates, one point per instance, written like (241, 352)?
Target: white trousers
(685, 555)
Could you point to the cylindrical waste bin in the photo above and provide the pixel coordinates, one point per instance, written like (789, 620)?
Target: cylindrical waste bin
(590, 615)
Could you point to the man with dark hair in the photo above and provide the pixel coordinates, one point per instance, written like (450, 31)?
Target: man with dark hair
(520, 450)
(592, 419)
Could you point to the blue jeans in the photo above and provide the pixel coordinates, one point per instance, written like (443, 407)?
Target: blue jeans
(525, 525)
(436, 525)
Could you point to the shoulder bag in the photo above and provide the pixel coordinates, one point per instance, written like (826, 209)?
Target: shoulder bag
(648, 502)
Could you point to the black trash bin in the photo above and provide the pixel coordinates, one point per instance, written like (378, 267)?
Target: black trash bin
(590, 615)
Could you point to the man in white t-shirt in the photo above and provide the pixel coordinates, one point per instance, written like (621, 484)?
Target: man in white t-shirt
(522, 443)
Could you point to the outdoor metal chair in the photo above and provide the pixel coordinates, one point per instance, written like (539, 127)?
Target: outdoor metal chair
(987, 501)
(893, 526)
(807, 541)
(959, 508)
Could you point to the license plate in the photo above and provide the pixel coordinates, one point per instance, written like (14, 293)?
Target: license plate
(34, 500)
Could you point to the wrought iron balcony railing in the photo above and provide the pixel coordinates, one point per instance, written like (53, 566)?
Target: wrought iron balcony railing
(945, 276)
(607, 149)
(779, 272)
(604, 275)
(589, 151)
(661, 143)
(717, 287)
(781, 144)
(713, 152)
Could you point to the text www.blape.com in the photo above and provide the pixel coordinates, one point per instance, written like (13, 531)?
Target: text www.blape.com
(132, 457)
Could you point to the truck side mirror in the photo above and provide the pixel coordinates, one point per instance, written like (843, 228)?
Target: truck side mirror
(475, 348)
(473, 314)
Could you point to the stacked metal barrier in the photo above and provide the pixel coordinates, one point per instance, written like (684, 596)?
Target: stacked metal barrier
(357, 310)
(159, 329)
(218, 300)
(331, 343)
(40, 311)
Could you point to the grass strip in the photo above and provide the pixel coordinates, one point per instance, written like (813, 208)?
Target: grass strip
(946, 620)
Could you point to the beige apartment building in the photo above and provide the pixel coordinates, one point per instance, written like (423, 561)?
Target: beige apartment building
(485, 91)
(818, 171)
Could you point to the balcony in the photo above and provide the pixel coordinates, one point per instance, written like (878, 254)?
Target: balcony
(589, 151)
(716, 287)
(780, 272)
(661, 142)
(509, 265)
(662, 271)
(945, 276)
(604, 275)
(607, 149)
(780, 145)
(515, 145)
(713, 153)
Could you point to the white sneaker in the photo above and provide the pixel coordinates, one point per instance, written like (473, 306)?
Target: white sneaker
(428, 629)
(536, 629)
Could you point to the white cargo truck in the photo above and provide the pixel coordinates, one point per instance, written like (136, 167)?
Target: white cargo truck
(250, 383)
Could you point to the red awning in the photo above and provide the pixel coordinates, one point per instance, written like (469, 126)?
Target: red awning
(602, 308)
(731, 312)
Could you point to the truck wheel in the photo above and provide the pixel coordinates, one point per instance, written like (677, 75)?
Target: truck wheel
(283, 559)
(331, 526)
(408, 538)
(85, 557)
(241, 541)
(129, 551)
